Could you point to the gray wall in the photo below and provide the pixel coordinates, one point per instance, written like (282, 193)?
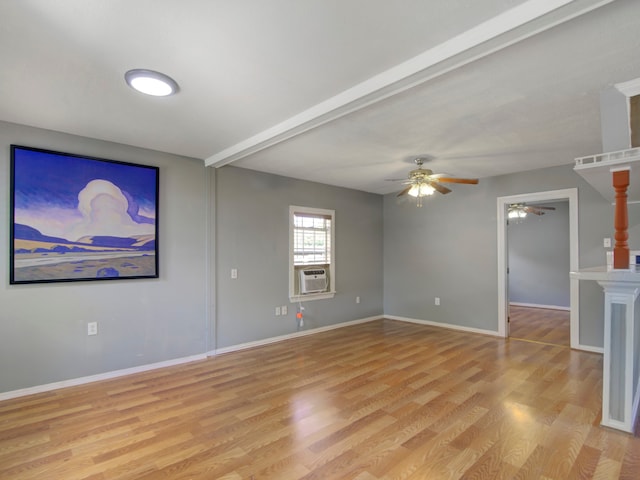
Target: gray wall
(448, 249)
(43, 327)
(614, 120)
(443, 249)
(252, 221)
(539, 257)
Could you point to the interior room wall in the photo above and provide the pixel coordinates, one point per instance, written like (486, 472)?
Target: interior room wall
(43, 327)
(614, 120)
(447, 249)
(395, 257)
(539, 257)
(252, 236)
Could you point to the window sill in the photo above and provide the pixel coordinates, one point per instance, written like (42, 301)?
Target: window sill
(311, 296)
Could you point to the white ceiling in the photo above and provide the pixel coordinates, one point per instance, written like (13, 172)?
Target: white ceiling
(343, 92)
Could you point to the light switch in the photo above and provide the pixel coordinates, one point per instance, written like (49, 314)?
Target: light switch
(92, 328)
(234, 273)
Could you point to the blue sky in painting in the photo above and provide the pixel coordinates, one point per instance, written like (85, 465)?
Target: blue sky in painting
(42, 177)
(47, 185)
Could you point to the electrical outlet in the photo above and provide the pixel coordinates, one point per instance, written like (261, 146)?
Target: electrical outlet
(277, 311)
(283, 309)
(234, 273)
(437, 300)
(357, 299)
(92, 328)
(607, 243)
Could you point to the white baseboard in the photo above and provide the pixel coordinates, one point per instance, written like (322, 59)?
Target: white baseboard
(100, 376)
(589, 348)
(302, 333)
(537, 305)
(444, 325)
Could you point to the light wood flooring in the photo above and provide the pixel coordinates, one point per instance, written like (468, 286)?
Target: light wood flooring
(540, 325)
(380, 400)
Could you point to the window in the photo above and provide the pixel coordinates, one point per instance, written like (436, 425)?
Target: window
(311, 239)
(312, 261)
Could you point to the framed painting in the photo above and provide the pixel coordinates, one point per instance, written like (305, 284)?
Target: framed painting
(79, 218)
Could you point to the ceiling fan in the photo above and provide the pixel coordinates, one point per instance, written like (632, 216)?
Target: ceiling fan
(520, 210)
(423, 182)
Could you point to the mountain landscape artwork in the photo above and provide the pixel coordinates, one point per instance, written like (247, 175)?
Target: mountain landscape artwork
(81, 218)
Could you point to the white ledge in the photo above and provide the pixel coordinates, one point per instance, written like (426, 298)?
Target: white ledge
(311, 296)
(596, 170)
(604, 274)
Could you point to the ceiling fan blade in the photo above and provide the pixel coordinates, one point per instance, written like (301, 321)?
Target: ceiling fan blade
(405, 191)
(533, 210)
(470, 181)
(542, 208)
(440, 188)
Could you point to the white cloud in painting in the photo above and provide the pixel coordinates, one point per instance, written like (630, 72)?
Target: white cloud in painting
(103, 207)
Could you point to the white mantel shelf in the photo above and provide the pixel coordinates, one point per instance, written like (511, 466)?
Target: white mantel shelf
(604, 274)
(596, 170)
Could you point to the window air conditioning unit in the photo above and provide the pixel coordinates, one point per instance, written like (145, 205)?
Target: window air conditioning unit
(313, 280)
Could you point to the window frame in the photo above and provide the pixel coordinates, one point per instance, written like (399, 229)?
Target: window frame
(294, 293)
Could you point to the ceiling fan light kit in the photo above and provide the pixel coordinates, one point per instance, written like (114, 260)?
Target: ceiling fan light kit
(516, 213)
(421, 190)
(423, 182)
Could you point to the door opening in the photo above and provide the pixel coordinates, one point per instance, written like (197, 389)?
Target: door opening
(538, 272)
(503, 285)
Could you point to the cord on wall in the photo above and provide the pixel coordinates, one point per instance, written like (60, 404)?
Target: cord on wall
(300, 316)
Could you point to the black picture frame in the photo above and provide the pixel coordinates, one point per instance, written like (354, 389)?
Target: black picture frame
(81, 218)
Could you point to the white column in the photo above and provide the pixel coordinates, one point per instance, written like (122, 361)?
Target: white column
(621, 355)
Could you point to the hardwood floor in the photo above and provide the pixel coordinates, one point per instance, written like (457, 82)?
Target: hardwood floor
(381, 400)
(540, 325)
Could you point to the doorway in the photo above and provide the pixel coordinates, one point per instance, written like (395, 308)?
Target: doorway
(571, 195)
(538, 272)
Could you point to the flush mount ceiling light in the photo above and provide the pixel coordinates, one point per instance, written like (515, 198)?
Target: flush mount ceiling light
(151, 83)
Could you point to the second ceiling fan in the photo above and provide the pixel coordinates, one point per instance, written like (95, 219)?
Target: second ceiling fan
(520, 210)
(423, 182)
